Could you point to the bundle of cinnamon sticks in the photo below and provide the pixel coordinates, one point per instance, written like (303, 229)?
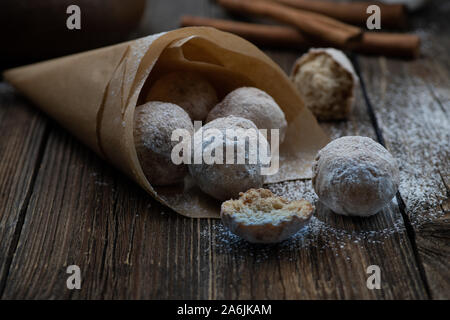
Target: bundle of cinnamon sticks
(317, 23)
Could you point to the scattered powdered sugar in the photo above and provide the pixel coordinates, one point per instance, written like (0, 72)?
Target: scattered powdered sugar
(302, 189)
(134, 58)
(98, 181)
(420, 142)
(414, 117)
(294, 190)
(318, 233)
(101, 183)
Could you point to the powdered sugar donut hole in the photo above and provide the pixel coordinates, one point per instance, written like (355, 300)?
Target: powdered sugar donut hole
(225, 181)
(255, 105)
(189, 90)
(154, 123)
(355, 176)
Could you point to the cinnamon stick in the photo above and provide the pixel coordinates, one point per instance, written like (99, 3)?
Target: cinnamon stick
(392, 15)
(390, 44)
(262, 34)
(379, 43)
(323, 28)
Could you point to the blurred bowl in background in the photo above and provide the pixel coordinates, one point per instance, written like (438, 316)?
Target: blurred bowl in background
(36, 30)
(410, 4)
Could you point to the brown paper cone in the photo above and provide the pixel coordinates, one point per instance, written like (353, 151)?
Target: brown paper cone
(94, 95)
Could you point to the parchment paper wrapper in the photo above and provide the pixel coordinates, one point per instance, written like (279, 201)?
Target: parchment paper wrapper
(94, 95)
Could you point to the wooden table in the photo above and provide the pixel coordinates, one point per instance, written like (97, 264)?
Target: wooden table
(61, 205)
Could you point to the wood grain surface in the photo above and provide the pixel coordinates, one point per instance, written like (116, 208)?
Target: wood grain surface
(61, 205)
(412, 108)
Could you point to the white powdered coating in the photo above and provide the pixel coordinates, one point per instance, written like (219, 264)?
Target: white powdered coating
(189, 90)
(225, 181)
(255, 105)
(355, 176)
(153, 127)
(326, 80)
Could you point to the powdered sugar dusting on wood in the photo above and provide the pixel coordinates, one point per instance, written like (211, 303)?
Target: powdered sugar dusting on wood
(416, 127)
(318, 233)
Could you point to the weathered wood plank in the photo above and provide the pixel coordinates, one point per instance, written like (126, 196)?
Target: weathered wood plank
(412, 105)
(128, 246)
(416, 131)
(22, 132)
(68, 221)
